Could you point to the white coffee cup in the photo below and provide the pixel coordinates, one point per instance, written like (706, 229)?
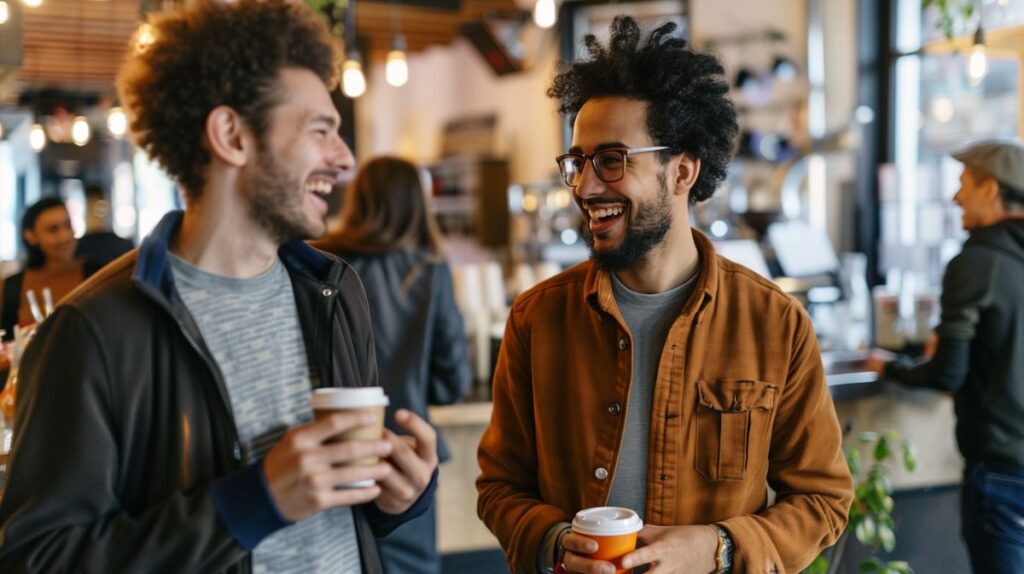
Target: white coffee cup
(348, 399)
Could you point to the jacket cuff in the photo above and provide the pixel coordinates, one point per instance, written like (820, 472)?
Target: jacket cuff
(243, 502)
(383, 523)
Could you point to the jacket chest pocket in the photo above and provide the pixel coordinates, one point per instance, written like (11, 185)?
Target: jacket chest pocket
(732, 426)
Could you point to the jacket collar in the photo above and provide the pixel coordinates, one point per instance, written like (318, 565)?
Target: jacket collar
(153, 269)
(598, 292)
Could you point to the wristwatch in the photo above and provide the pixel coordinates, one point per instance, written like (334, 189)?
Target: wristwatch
(723, 557)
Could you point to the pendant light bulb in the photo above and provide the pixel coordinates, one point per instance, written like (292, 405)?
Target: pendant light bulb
(977, 62)
(544, 13)
(117, 122)
(37, 137)
(353, 83)
(396, 71)
(80, 132)
(5, 12)
(32, 3)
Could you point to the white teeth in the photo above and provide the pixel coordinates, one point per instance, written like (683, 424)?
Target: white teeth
(319, 187)
(605, 212)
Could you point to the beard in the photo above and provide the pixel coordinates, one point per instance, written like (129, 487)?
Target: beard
(276, 198)
(653, 220)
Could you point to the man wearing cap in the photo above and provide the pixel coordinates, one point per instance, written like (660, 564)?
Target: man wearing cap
(979, 356)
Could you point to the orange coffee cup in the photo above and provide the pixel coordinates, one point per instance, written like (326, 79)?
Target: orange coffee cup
(613, 528)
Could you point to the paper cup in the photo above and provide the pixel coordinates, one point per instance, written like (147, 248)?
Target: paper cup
(613, 528)
(356, 399)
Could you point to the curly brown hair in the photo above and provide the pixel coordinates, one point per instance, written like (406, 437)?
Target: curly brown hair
(210, 53)
(688, 105)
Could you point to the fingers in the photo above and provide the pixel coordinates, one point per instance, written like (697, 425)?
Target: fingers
(579, 544)
(573, 562)
(425, 435)
(413, 474)
(346, 452)
(640, 556)
(311, 435)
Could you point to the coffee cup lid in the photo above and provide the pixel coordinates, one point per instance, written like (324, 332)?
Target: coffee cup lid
(607, 521)
(348, 398)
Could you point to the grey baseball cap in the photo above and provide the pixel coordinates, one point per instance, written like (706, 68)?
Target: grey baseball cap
(1001, 159)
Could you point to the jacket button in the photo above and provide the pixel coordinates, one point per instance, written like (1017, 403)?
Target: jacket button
(327, 292)
(614, 409)
(601, 473)
(623, 343)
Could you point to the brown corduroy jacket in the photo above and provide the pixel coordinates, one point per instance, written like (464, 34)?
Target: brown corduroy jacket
(740, 404)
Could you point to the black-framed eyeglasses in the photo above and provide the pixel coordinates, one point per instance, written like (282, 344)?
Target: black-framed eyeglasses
(609, 164)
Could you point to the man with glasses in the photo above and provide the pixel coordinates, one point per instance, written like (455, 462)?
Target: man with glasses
(658, 376)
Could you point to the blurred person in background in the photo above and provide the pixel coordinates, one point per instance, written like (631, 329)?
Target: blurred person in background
(977, 353)
(388, 235)
(100, 242)
(50, 241)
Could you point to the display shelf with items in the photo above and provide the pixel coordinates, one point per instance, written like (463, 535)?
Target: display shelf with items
(470, 199)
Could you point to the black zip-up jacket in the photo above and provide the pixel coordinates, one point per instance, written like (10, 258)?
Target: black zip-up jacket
(980, 355)
(126, 457)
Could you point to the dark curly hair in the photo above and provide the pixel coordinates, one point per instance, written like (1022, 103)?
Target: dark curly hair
(687, 110)
(211, 53)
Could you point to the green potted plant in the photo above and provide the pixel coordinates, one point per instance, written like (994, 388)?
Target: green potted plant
(871, 519)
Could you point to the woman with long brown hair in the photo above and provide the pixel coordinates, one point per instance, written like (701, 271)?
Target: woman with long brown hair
(389, 236)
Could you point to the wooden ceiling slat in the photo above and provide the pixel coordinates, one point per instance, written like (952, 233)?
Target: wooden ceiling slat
(78, 43)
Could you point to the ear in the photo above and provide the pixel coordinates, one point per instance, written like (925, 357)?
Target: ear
(686, 168)
(228, 137)
(30, 237)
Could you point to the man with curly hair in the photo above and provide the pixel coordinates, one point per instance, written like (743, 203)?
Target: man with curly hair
(658, 376)
(164, 420)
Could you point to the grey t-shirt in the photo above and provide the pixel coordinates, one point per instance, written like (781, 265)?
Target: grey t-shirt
(649, 318)
(252, 328)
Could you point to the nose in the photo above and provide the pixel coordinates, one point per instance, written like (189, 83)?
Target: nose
(590, 185)
(341, 157)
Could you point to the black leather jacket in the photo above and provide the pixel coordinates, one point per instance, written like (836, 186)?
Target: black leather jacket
(125, 455)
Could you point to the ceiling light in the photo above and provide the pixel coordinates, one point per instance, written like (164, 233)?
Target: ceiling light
(37, 137)
(977, 62)
(80, 132)
(353, 83)
(32, 3)
(544, 13)
(396, 71)
(117, 122)
(145, 37)
(5, 12)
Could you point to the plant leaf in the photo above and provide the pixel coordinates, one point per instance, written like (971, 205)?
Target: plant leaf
(909, 456)
(866, 530)
(882, 450)
(887, 537)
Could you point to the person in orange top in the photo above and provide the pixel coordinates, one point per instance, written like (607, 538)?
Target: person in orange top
(50, 241)
(658, 376)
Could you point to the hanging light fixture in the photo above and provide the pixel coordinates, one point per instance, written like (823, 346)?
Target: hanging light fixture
(5, 12)
(353, 83)
(117, 122)
(977, 62)
(396, 71)
(37, 138)
(32, 3)
(544, 13)
(80, 131)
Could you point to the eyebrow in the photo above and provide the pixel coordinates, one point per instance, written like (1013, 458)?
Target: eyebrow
(331, 121)
(600, 147)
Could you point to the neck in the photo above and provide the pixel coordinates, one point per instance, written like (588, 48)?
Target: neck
(52, 265)
(218, 236)
(667, 265)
